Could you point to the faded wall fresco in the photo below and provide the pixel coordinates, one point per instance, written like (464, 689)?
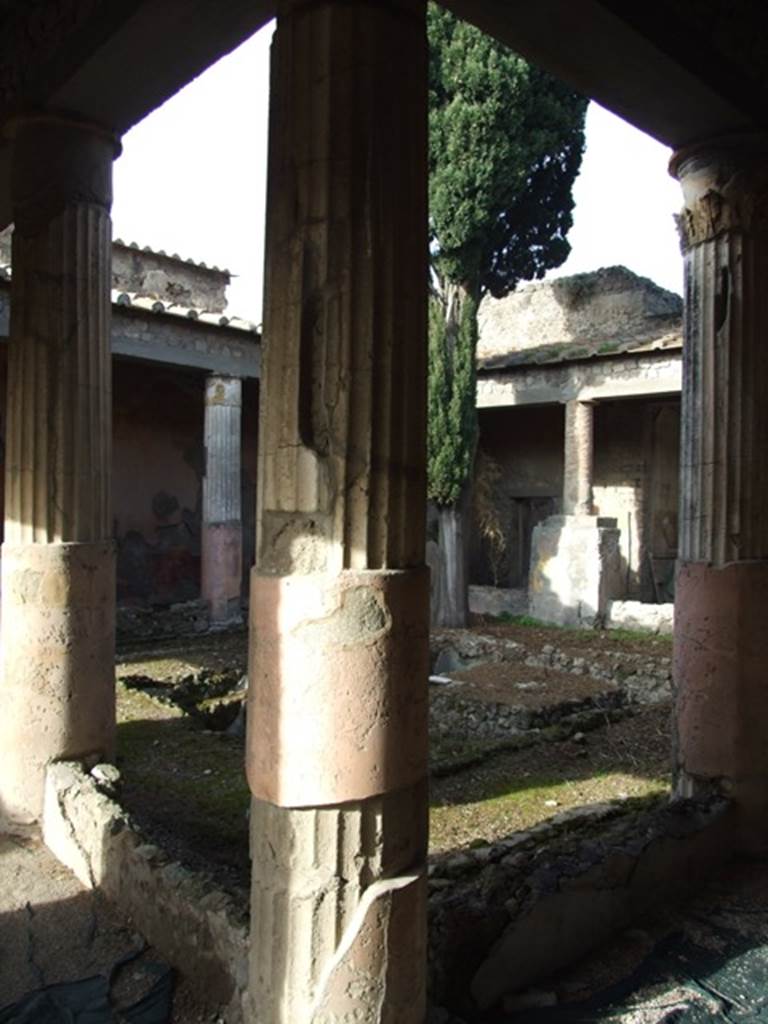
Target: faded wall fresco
(157, 482)
(158, 471)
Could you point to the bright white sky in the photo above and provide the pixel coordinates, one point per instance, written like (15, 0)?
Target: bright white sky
(192, 180)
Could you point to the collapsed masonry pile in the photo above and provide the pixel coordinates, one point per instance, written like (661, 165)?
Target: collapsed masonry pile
(493, 687)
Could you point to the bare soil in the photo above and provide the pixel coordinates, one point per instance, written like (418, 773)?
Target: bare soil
(527, 686)
(186, 787)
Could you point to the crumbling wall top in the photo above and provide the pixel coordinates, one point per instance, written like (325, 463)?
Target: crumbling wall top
(171, 279)
(602, 312)
(155, 275)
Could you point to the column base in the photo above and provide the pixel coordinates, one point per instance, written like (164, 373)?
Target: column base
(575, 569)
(58, 665)
(221, 572)
(721, 621)
(338, 911)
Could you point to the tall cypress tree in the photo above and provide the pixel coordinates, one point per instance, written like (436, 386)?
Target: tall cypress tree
(506, 141)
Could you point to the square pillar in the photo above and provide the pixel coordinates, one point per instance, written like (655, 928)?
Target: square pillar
(58, 572)
(721, 593)
(337, 717)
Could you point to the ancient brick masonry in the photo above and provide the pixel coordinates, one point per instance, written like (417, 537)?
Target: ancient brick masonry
(58, 586)
(579, 458)
(339, 597)
(722, 584)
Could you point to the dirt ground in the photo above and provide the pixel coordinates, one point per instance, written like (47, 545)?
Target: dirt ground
(54, 931)
(184, 784)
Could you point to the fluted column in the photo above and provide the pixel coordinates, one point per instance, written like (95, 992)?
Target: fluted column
(339, 597)
(58, 578)
(579, 458)
(721, 601)
(222, 528)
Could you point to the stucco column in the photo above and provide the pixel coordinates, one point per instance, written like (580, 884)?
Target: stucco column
(222, 528)
(337, 718)
(58, 577)
(579, 458)
(721, 601)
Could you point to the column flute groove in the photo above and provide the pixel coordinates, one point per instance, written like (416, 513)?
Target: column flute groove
(336, 749)
(58, 589)
(722, 577)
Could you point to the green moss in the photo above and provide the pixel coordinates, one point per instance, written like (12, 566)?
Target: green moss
(175, 772)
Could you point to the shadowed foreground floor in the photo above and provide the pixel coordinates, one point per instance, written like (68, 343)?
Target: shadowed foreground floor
(53, 930)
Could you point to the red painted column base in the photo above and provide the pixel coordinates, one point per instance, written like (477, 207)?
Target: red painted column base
(721, 682)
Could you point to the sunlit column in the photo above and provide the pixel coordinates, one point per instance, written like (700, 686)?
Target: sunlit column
(58, 585)
(579, 458)
(339, 597)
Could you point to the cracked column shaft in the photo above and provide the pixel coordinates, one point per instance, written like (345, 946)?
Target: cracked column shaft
(222, 528)
(58, 576)
(721, 600)
(579, 458)
(339, 596)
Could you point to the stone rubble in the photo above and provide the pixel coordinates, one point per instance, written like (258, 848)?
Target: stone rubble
(631, 679)
(505, 915)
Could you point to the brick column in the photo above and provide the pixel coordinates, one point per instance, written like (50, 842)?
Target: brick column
(222, 528)
(58, 578)
(721, 603)
(579, 458)
(339, 597)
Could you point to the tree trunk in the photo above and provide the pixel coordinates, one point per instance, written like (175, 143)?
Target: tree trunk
(451, 596)
(451, 608)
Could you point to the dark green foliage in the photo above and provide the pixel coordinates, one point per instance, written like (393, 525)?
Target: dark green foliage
(506, 141)
(451, 417)
(505, 146)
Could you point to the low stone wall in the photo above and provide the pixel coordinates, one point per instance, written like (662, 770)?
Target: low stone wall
(198, 928)
(645, 679)
(504, 916)
(652, 618)
(496, 601)
(138, 623)
(450, 714)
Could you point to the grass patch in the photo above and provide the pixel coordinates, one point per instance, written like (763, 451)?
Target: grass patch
(503, 809)
(182, 779)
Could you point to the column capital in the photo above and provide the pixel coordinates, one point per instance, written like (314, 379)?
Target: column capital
(58, 161)
(223, 389)
(725, 187)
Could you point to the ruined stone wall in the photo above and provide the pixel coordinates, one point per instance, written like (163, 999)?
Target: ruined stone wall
(587, 380)
(526, 446)
(168, 278)
(157, 275)
(635, 481)
(619, 489)
(600, 307)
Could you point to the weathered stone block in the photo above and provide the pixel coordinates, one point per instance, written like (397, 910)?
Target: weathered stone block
(655, 618)
(575, 569)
